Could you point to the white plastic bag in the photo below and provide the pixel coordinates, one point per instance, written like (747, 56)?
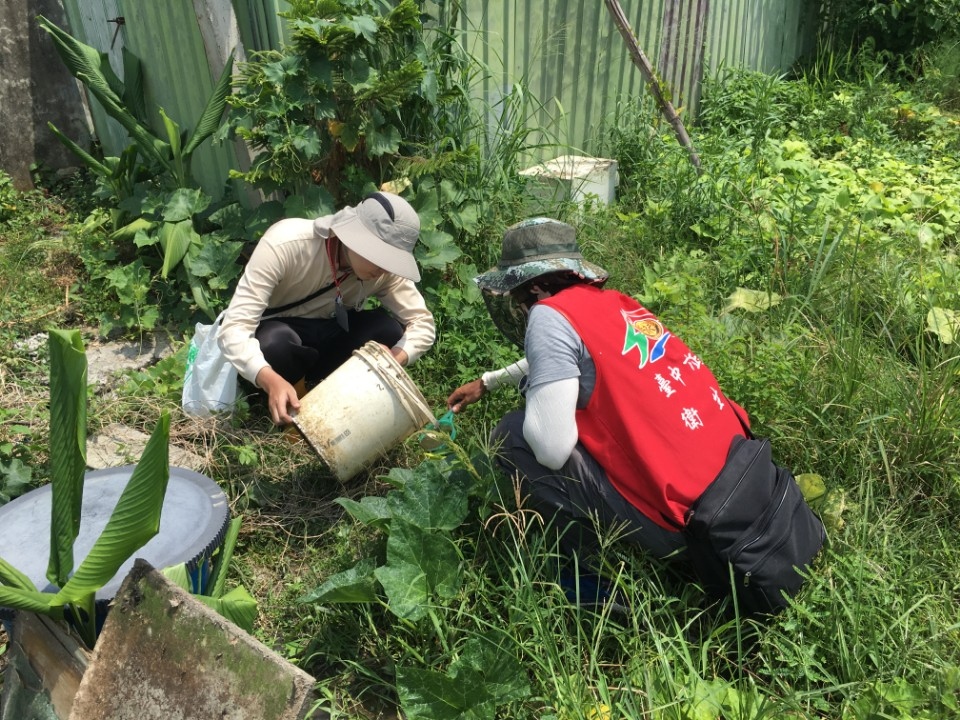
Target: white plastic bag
(209, 381)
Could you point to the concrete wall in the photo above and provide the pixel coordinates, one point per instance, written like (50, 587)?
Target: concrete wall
(35, 88)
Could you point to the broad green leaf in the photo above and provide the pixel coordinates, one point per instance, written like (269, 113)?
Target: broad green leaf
(94, 165)
(431, 500)
(708, 699)
(173, 137)
(363, 25)
(82, 59)
(944, 323)
(68, 448)
(467, 218)
(184, 203)
(491, 657)
(213, 113)
(132, 94)
(134, 521)
(215, 260)
(437, 249)
(811, 485)
(466, 272)
(307, 141)
(349, 136)
(11, 577)
(314, 201)
(431, 695)
(356, 585)
(143, 238)
(751, 300)
(221, 562)
(132, 229)
(370, 510)
(178, 574)
(176, 239)
(418, 563)
(26, 600)
(15, 478)
(384, 140)
(237, 606)
(406, 589)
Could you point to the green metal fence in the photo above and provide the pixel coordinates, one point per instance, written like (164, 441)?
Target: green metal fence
(567, 56)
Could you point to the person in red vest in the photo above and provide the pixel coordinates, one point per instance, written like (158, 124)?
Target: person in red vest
(624, 426)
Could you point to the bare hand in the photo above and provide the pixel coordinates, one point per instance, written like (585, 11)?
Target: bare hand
(466, 395)
(400, 355)
(281, 396)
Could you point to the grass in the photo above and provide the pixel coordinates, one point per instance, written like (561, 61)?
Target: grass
(805, 200)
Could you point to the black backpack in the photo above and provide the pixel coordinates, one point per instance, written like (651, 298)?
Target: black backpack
(751, 530)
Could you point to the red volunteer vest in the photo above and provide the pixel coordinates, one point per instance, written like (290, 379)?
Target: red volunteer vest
(657, 421)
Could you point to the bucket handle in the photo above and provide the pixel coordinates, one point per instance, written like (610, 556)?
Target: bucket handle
(404, 395)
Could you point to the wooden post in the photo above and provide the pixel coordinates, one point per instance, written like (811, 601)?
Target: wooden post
(653, 83)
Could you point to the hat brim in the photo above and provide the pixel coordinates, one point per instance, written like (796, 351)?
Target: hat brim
(367, 245)
(502, 281)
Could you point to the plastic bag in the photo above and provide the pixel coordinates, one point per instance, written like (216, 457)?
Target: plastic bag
(210, 380)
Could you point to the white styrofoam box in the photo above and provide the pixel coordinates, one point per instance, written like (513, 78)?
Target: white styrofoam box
(576, 177)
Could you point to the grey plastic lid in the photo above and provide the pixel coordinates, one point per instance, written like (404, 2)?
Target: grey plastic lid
(193, 524)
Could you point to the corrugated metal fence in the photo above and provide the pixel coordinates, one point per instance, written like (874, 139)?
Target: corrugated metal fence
(567, 54)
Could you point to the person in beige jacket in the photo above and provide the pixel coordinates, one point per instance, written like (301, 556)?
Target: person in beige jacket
(298, 311)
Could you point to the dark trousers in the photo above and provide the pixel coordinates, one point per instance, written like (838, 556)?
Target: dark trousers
(312, 348)
(578, 498)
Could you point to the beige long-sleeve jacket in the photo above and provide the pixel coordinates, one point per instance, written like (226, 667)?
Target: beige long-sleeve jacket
(288, 264)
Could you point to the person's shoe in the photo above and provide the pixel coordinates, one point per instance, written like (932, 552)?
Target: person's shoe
(592, 591)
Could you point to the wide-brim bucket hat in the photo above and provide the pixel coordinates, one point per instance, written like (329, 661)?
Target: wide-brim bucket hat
(534, 247)
(382, 229)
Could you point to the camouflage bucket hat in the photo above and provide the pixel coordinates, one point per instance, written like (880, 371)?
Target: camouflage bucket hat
(536, 247)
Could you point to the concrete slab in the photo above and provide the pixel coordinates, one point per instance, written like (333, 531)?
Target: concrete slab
(119, 444)
(106, 359)
(163, 655)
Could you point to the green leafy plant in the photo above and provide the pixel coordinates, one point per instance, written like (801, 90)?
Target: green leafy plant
(342, 101)
(134, 520)
(419, 576)
(160, 216)
(237, 605)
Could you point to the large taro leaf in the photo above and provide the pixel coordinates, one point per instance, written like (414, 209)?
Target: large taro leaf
(419, 564)
(68, 448)
(134, 521)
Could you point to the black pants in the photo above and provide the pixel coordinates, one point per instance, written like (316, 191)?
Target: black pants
(578, 498)
(312, 348)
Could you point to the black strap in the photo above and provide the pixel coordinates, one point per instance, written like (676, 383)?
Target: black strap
(308, 298)
(384, 202)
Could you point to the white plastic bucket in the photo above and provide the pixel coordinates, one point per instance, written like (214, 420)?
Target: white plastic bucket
(361, 410)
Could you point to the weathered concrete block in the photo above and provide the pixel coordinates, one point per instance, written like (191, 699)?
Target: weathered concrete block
(163, 655)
